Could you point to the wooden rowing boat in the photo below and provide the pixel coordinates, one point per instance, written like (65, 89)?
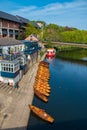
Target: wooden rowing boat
(44, 65)
(41, 96)
(41, 80)
(43, 69)
(41, 113)
(43, 72)
(42, 85)
(45, 77)
(43, 62)
(42, 91)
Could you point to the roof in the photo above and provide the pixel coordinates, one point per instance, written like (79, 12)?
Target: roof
(35, 24)
(31, 38)
(6, 41)
(40, 24)
(50, 49)
(22, 20)
(16, 18)
(7, 16)
(29, 42)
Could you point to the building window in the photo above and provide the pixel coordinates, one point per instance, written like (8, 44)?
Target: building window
(6, 67)
(20, 48)
(16, 67)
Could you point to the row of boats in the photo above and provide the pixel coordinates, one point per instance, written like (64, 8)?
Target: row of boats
(41, 87)
(42, 90)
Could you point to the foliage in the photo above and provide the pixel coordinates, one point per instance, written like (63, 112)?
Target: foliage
(53, 32)
(42, 53)
(66, 48)
(76, 36)
(49, 44)
(75, 54)
(21, 36)
(30, 29)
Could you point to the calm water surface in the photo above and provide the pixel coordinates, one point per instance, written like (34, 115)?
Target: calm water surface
(68, 99)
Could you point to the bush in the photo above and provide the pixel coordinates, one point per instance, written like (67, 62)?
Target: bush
(42, 53)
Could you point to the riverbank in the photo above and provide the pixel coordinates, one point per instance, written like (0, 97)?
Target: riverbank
(14, 110)
(74, 55)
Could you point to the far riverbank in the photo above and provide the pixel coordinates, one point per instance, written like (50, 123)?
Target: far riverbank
(73, 54)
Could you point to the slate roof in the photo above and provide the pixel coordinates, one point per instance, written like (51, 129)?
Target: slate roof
(7, 16)
(16, 18)
(7, 41)
(35, 24)
(22, 20)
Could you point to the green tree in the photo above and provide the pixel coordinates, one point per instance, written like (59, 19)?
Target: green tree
(76, 36)
(52, 32)
(30, 29)
(49, 44)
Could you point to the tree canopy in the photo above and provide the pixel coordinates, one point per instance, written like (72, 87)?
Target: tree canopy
(30, 29)
(54, 32)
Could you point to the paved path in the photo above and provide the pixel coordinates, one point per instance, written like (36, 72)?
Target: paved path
(14, 110)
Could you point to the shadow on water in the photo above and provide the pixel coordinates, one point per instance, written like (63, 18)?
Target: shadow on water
(67, 125)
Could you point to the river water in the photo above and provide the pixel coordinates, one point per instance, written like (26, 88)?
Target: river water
(68, 99)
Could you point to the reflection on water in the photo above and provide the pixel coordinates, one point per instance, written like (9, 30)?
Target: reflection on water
(85, 58)
(68, 99)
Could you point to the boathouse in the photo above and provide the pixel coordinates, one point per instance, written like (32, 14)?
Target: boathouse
(12, 60)
(16, 58)
(31, 50)
(10, 46)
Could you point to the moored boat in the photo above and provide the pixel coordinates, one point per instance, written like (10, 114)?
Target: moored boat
(42, 91)
(45, 77)
(42, 85)
(42, 88)
(41, 113)
(41, 78)
(41, 96)
(51, 52)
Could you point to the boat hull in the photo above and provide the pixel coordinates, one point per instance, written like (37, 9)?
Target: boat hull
(50, 53)
(41, 113)
(41, 96)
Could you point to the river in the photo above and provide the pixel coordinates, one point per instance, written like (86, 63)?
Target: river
(68, 99)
